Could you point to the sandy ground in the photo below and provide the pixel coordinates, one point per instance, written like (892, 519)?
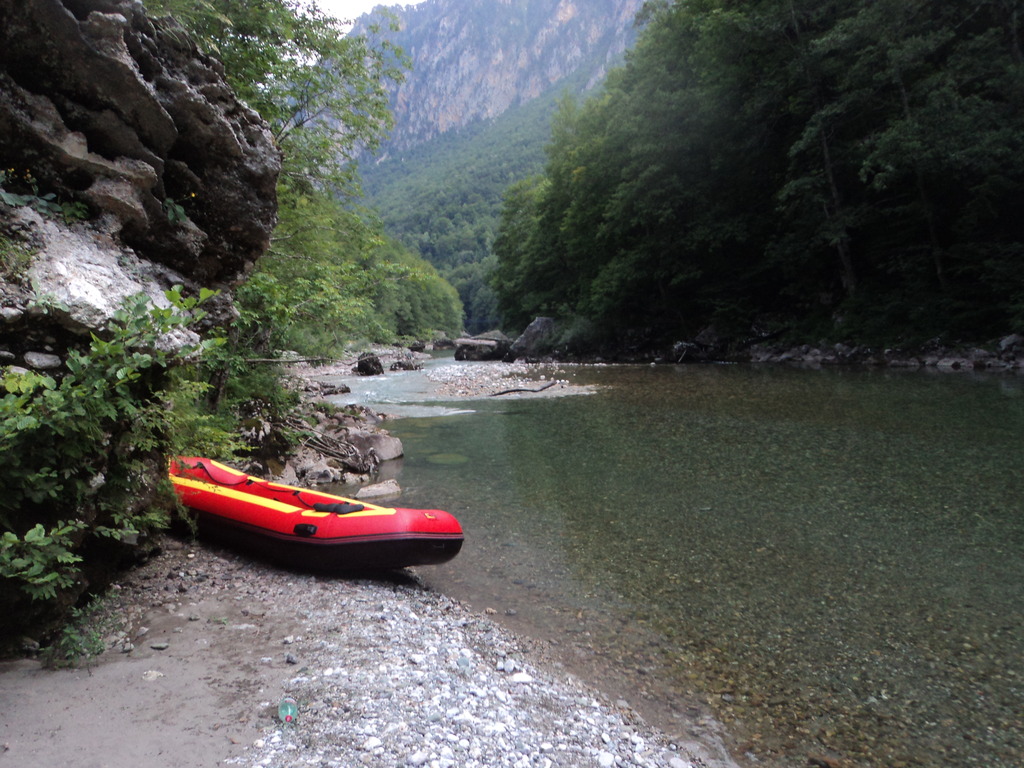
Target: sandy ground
(190, 705)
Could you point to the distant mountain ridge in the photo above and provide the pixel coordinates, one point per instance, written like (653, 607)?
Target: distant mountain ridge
(474, 59)
(474, 116)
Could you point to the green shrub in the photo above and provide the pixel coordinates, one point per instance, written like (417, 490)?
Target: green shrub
(80, 639)
(42, 560)
(80, 452)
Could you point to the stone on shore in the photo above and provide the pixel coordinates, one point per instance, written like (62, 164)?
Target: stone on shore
(382, 444)
(534, 341)
(379, 490)
(493, 345)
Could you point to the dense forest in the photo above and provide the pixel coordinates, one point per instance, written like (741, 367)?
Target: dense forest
(835, 170)
(473, 116)
(442, 199)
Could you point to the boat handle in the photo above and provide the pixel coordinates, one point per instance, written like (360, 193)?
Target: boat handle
(339, 509)
(305, 529)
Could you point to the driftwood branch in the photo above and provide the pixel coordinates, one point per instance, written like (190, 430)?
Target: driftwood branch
(334, 448)
(289, 360)
(549, 385)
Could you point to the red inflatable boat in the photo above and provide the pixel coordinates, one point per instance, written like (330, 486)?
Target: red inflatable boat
(309, 529)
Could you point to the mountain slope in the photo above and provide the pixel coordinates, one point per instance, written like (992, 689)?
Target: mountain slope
(474, 116)
(474, 59)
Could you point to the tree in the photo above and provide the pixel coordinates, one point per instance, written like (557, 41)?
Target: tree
(326, 279)
(324, 94)
(514, 276)
(786, 162)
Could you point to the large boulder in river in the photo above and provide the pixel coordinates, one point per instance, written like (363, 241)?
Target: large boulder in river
(536, 340)
(369, 364)
(493, 345)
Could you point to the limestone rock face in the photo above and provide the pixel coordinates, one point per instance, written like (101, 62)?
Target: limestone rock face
(122, 116)
(128, 166)
(106, 107)
(474, 59)
(86, 277)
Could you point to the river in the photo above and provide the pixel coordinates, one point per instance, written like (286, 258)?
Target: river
(831, 562)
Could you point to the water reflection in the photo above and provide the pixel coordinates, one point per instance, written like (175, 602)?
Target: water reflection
(835, 560)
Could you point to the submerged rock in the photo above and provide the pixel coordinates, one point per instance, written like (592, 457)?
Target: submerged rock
(379, 490)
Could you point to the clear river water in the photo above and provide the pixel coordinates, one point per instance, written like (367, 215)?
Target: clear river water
(830, 563)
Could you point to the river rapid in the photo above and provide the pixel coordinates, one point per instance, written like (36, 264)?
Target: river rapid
(829, 562)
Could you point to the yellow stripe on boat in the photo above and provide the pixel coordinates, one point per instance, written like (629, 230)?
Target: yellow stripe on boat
(370, 510)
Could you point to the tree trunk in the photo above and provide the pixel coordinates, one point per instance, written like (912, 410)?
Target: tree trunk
(848, 274)
(922, 193)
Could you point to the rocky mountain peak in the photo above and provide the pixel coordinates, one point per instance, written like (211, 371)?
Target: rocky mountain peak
(474, 59)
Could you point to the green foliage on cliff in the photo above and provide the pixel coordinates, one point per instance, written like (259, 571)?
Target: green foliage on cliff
(442, 199)
(76, 450)
(325, 97)
(846, 169)
(333, 279)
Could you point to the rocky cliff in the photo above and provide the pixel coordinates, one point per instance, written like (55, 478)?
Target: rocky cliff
(474, 59)
(120, 119)
(127, 166)
(105, 106)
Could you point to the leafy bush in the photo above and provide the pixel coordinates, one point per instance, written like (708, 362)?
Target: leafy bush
(80, 453)
(42, 559)
(81, 639)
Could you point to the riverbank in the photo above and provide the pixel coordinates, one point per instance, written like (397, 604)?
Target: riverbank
(202, 644)
(462, 380)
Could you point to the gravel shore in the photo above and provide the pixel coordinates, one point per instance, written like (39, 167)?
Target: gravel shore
(392, 674)
(477, 380)
(202, 644)
(468, 380)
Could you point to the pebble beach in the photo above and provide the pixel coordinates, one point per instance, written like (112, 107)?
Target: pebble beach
(203, 644)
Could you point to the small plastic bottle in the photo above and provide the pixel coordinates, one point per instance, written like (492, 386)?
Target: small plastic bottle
(287, 710)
